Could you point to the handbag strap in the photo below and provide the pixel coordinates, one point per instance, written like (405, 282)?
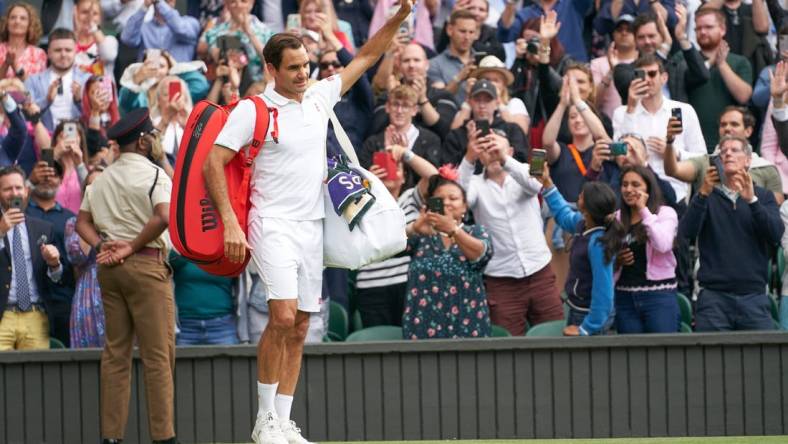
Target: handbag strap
(342, 138)
(576, 155)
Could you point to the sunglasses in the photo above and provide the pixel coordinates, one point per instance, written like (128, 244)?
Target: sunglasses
(334, 64)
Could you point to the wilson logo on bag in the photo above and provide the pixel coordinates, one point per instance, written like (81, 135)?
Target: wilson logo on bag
(195, 227)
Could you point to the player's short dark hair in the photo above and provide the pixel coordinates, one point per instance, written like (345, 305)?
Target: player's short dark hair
(272, 53)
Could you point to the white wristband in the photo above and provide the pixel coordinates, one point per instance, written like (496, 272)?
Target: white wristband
(581, 106)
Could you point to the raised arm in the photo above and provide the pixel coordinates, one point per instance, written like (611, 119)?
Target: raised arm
(369, 54)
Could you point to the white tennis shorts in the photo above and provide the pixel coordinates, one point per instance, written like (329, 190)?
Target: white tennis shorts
(291, 255)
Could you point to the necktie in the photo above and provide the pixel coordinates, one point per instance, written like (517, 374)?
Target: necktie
(20, 273)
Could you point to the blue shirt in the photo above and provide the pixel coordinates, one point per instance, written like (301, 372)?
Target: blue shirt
(177, 35)
(57, 216)
(571, 14)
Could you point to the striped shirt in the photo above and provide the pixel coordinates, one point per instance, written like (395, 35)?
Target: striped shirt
(393, 270)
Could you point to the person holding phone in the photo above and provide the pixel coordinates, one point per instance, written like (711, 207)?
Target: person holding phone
(647, 112)
(99, 104)
(169, 30)
(736, 248)
(69, 149)
(401, 108)
(597, 239)
(173, 106)
(484, 105)
(244, 25)
(445, 295)
(58, 90)
(520, 282)
(319, 16)
(30, 265)
(646, 276)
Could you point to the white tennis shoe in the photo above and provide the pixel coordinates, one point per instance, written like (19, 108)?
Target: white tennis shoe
(292, 433)
(267, 429)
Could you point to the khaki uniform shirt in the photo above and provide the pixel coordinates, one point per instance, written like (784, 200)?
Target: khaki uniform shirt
(119, 199)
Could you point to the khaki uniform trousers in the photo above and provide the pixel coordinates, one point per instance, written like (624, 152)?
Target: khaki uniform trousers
(138, 300)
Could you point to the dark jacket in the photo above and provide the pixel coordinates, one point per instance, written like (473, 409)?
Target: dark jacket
(36, 228)
(443, 102)
(542, 93)
(735, 240)
(686, 70)
(456, 142)
(487, 42)
(354, 109)
(427, 145)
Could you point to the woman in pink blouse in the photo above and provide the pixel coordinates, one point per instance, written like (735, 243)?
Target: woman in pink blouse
(20, 31)
(69, 151)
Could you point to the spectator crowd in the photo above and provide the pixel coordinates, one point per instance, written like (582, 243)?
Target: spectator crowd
(578, 161)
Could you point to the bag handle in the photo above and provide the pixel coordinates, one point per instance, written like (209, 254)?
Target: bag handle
(342, 138)
(262, 122)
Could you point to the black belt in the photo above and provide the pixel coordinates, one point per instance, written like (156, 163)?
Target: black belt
(15, 308)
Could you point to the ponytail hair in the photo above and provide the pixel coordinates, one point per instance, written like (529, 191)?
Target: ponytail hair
(600, 202)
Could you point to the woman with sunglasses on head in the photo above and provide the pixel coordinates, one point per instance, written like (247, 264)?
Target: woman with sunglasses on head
(646, 283)
(597, 240)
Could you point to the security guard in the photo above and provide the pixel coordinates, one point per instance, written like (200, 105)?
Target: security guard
(123, 216)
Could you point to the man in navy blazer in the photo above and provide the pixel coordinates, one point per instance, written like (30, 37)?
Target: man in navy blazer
(58, 90)
(29, 265)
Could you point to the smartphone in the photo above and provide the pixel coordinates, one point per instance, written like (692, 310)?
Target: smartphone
(618, 148)
(59, 86)
(435, 204)
(106, 85)
(483, 126)
(16, 202)
(640, 73)
(385, 160)
(70, 130)
(784, 42)
(536, 167)
(404, 28)
(173, 89)
(478, 56)
(676, 114)
(293, 21)
(48, 156)
(716, 161)
(153, 55)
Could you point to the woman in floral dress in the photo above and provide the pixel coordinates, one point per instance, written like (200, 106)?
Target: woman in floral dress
(87, 310)
(446, 297)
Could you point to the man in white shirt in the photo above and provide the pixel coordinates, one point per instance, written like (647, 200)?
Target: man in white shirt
(286, 226)
(505, 199)
(646, 114)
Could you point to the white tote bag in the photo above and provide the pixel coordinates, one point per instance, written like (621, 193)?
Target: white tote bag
(381, 232)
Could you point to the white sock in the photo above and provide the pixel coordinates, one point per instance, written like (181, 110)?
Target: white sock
(265, 396)
(283, 405)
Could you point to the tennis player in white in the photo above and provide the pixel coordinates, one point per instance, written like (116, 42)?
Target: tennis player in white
(286, 220)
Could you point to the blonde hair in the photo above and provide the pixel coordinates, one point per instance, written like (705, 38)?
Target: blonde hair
(326, 7)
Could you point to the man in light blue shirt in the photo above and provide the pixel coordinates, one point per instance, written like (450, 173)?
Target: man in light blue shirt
(168, 30)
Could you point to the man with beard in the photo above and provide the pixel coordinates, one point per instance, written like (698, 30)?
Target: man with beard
(44, 183)
(58, 90)
(436, 107)
(730, 77)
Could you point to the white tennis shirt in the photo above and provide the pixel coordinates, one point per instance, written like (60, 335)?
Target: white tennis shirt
(287, 182)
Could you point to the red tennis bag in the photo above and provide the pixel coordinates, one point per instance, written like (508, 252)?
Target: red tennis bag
(196, 230)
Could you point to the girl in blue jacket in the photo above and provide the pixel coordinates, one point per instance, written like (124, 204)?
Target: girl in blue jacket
(597, 238)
